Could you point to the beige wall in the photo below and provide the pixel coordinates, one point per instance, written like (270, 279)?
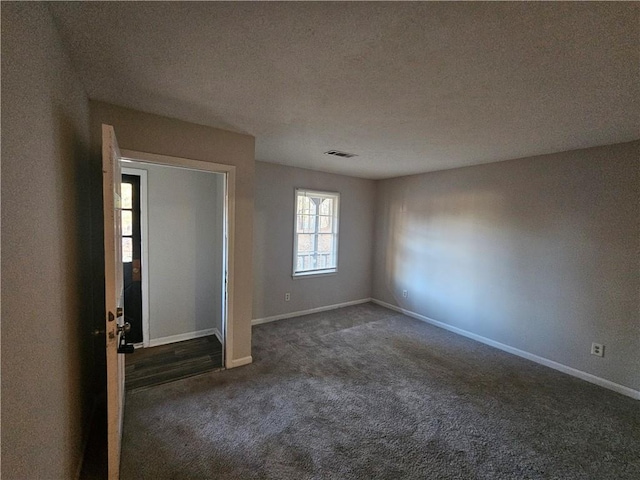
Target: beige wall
(273, 241)
(149, 133)
(46, 315)
(541, 254)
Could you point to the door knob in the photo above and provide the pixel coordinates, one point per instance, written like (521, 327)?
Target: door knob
(126, 328)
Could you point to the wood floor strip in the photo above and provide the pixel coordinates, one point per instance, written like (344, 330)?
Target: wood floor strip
(166, 363)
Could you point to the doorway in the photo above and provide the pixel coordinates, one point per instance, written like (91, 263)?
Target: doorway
(176, 272)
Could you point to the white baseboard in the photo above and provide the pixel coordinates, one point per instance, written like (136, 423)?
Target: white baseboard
(258, 321)
(218, 335)
(616, 387)
(154, 342)
(239, 362)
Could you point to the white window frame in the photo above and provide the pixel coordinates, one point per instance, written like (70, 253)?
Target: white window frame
(336, 220)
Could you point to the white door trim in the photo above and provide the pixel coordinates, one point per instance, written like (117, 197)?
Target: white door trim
(229, 172)
(144, 241)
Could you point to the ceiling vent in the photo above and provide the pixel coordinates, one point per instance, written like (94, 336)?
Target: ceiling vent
(338, 153)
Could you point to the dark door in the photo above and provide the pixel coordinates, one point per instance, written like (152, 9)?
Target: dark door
(131, 254)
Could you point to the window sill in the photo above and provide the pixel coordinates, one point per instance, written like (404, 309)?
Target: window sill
(314, 273)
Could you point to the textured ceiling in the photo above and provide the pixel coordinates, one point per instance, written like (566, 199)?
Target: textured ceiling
(409, 87)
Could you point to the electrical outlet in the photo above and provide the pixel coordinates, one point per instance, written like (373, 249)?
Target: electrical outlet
(287, 297)
(405, 293)
(597, 349)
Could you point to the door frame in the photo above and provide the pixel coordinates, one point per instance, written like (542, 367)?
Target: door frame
(229, 172)
(144, 247)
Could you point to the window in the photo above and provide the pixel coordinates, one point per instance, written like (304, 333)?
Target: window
(127, 221)
(315, 242)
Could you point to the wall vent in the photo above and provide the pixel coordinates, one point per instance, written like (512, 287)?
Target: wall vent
(338, 153)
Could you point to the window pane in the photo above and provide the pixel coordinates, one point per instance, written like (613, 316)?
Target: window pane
(326, 225)
(308, 262)
(326, 207)
(127, 195)
(305, 243)
(306, 224)
(306, 205)
(325, 243)
(127, 222)
(127, 249)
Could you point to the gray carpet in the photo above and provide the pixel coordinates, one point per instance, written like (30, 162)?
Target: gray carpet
(366, 393)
